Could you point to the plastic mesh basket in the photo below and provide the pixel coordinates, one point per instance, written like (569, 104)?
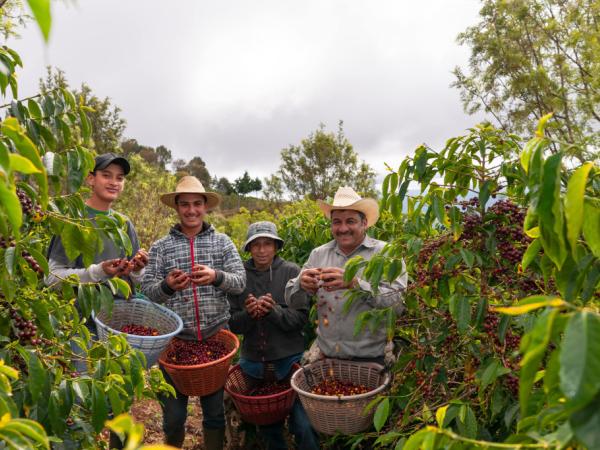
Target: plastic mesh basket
(339, 414)
(258, 410)
(140, 312)
(203, 379)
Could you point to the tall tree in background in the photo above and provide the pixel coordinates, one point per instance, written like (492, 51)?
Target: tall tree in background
(222, 185)
(321, 164)
(107, 123)
(195, 167)
(12, 17)
(532, 57)
(244, 184)
(158, 157)
(273, 190)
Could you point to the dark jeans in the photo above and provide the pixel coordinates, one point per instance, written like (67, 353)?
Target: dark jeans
(175, 410)
(305, 437)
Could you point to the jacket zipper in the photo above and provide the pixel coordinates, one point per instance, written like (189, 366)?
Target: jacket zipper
(196, 306)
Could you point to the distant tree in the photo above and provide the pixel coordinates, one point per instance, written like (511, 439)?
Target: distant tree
(244, 184)
(178, 165)
(223, 185)
(321, 164)
(532, 57)
(12, 16)
(273, 190)
(195, 167)
(158, 157)
(106, 120)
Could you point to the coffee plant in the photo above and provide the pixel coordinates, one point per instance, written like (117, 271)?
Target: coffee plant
(499, 339)
(44, 159)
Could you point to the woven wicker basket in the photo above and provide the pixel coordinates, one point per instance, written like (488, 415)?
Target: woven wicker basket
(343, 414)
(258, 410)
(140, 312)
(203, 379)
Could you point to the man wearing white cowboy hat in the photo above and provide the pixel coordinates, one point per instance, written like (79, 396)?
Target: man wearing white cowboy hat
(323, 275)
(191, 271)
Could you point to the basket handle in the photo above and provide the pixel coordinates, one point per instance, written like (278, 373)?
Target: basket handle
(308, 376)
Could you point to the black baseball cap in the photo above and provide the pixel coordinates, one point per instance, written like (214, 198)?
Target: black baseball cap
(106, 159)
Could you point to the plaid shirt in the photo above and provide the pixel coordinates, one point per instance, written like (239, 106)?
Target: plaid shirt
(212, 249)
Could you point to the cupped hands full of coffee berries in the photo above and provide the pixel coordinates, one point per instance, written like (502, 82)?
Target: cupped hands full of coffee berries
(268, 388)
(188, 353)
(139, 330)
(334, 387)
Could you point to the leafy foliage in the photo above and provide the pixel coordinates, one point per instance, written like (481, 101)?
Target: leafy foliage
(244, 184)
(480, 369)
(320, 165)
(105, 121)
(159, 156)
(141, 202)
(44, 160)
(529, 58)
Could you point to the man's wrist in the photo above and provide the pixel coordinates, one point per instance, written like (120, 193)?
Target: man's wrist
(166, 288)
(218, 277)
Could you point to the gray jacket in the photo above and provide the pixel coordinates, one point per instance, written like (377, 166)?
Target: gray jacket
(335, 332)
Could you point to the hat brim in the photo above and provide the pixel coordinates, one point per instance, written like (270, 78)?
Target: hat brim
(119, 161)
(277, 239)
(212, 199)
(368, 206)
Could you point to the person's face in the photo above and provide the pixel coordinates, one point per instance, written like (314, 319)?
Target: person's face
(348, 229)
(191, 209)
(107, 184)
(263, 251)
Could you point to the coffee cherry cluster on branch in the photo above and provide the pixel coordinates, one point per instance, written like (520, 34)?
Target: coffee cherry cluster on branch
(26, 203)
(139, 330)
(334, 387)
(268, 388)
(27, 329)
(6, 243)
(28, 207)
(32, 262)
(187, 353)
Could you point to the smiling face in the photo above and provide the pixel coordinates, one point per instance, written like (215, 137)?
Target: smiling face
(107, 184)
(191, 209)
(348, 228)
(263, 251)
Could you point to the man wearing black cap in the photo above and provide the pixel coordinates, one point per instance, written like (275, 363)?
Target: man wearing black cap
(106, 182)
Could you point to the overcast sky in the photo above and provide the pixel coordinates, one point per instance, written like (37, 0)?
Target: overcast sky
(234, 82)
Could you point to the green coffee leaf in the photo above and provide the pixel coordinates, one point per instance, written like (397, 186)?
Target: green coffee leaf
(580, 357)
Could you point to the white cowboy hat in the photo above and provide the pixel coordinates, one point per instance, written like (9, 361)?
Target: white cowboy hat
(191, 185)
(347, 198)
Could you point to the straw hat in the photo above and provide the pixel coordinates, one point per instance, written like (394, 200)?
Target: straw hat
(191, 185)
(347, 198)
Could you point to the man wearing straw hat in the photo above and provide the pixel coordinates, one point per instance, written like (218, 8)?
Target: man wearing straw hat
(323, 276)
(273, 333)
(191, 271)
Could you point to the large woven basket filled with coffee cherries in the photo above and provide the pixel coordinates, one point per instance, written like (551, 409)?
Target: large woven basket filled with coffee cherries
(260, 402)
(199, 368)
(147, 326)
(335, 392)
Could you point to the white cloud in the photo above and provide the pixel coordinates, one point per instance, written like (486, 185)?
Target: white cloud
(235, 81)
